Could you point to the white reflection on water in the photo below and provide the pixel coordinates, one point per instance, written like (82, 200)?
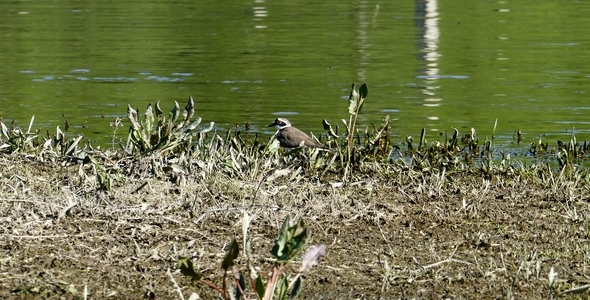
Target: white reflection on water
(431, 55)
(285, 113)
(362, 36)
(156, 78)
(428, 11)
(182, 74)
(115, 79)
(260, 13)
(435, 77)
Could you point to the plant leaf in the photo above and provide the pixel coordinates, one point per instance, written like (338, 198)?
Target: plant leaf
(353, 100)
(297, 286)
(149, 117)
(192, 126)
(132, 115)
(280, 244)
(175, 112)
(273, 147)
(298, 241)
(346, 125)
(59, 135)
(576, 290)
(364, 91)
(245, 225)
(242, 287)
(208, 128)
(290, 241)
(189, 110)
(281, 289)
(187, 268)
(326, 124)
(353, 93)
(159, 111)
(31, 124)
(260, 287)
(231, 255)
(328, 128)
(4, 130)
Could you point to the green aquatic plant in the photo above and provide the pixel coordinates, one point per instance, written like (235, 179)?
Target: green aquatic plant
(174, 145)
(569, 153)
(13, 138)
(539, 148)
(356, 100)
(156, 133)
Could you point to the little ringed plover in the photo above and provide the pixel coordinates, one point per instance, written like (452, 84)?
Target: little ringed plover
(291, 137)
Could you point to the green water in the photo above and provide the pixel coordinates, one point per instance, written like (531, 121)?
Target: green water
(436, 65)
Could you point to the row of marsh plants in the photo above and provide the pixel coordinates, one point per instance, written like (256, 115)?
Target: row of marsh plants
(175, 144)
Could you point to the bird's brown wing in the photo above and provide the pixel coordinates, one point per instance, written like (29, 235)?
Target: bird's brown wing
(297, 136)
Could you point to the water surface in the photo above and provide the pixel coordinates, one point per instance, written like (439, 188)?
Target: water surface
(429, 64)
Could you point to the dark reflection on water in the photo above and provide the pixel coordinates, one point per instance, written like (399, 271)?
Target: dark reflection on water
(438, 65)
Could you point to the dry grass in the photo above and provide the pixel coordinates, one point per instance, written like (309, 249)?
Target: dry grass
(391, 232)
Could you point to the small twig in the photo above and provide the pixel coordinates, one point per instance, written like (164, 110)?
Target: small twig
(139, 188)
(412, 200)
(334, 268)
(175, 284)
(417, 263)
(225, 295)
(172, 220)
(137, 249)
(212, 285)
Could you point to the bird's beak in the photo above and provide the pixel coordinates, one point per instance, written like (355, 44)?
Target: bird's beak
(271, 125)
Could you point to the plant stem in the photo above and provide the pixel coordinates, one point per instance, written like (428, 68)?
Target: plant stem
(225, 295)
(213, 286)
(240, 288)
(271, 283)
(351, 130)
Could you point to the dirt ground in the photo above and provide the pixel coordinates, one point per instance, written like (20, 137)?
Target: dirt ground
(401, 234)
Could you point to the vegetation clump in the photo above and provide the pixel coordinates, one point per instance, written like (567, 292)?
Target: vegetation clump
(453, 218)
